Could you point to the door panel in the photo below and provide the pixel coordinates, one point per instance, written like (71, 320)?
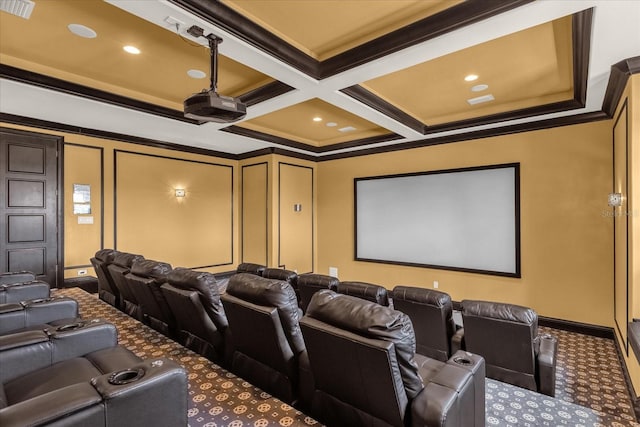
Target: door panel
(29, 205)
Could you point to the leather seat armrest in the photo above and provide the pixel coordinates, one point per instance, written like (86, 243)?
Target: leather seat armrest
(49, 407)
(22, 339)
(81, 337)
(457, 341)
(434, 406)
(546, 362)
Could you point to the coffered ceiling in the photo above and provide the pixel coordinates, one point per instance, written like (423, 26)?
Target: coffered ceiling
(371, 73)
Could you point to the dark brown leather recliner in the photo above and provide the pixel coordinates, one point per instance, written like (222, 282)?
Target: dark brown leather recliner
(145, 279)
(194, 299)
(37, 314)
(269, 349)
(368, 291)
(11, 277)
(366, 372)
(118, 269)
(506, 335)
(431, 313)
(249, 267)
(107, 290)
(310, 283)
(76, 375)
(15, 292)
(291, 277)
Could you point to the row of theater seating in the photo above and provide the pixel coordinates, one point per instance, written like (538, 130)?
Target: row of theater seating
(57, 369)
(506, 335)
(348, 361)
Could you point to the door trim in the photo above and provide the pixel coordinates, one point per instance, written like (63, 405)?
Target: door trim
(59, 141)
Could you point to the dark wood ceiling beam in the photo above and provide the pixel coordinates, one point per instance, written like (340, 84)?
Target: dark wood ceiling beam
(47, 82)
(268, 91)
(228, 19)
(458, 16)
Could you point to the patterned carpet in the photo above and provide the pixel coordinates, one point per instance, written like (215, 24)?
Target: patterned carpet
(590, 389)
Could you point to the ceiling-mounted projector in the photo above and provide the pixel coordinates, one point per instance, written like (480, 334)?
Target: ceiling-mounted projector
(208, 105)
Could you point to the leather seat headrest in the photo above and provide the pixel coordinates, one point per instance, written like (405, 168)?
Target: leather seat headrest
(318, 280)
(422, 296)
(500, 311)
(281, 274)
(106, 255)
(202, 282)
(125, 259)
(248, 267)
(364, 290)
(151, 269)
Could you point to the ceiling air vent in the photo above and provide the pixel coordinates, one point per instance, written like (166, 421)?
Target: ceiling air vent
(21, 8)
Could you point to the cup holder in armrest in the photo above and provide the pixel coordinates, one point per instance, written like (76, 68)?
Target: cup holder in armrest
(70, 327)
(462, 361)
(125, 377)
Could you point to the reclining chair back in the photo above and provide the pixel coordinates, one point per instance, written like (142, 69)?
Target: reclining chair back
(107, 290)
(431, 313)
(263, 318)
(248, 267)
(506, 336)
(367, 291)
(119, 268)
(310, 283)
(144, 279)
(194, 299)
(361, 356)
(22, 291)
(11, 277)
(291, 277)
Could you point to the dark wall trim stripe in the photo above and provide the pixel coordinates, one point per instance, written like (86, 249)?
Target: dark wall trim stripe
(451, 19)
(581, 42)
(101, 188)
(74, 267)
(60, 127)
(266, 226)
(620, 73)
(467, 136)
(577, 327)
(115, 194)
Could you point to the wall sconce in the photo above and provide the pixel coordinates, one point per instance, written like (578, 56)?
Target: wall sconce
(180, 192)
(615, 199)
(297, 207)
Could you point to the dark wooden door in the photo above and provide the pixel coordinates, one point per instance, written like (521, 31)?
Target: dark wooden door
(29, 208)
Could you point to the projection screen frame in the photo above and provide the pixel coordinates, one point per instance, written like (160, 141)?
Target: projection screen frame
(517, 236)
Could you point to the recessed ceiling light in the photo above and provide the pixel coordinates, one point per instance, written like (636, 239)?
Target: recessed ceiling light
(317, 119)
(82, 31)
(470, 78)
(347, 129)
(131, 49)
(196, 74)
(332, 124)
(480, 99)
(479, 88)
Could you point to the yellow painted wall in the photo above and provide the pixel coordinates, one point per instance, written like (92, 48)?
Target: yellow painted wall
(566, 236)
(204, 212)
(255, 212)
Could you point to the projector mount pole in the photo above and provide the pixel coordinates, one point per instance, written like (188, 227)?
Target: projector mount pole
(214, 41)
(213, 51)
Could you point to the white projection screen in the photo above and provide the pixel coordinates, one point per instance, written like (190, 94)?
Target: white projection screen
(457, 219)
